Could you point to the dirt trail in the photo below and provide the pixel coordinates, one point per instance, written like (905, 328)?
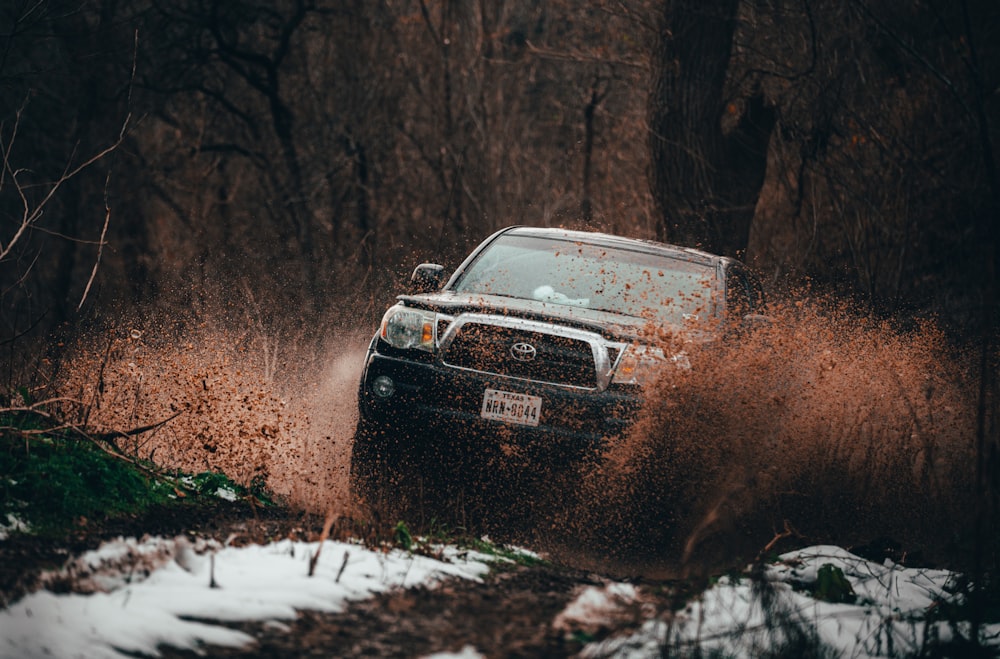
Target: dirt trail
(509, 614)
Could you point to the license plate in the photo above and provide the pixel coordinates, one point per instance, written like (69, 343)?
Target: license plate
(511, 407)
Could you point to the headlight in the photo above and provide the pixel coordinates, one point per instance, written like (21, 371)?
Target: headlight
(642, 365)
(409, 328)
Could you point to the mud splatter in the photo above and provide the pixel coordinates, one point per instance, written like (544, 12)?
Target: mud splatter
(825, 426)
(263, 410)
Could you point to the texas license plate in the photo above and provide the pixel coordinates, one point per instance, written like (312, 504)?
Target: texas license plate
(511, 407)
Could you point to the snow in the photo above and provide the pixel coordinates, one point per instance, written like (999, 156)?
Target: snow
(606, 606)
(887, 618)
(14, 524)
(133, 595)
(227, 493)
(467, 652)
(145, 593)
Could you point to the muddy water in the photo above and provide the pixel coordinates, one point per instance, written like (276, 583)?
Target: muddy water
(824, 426)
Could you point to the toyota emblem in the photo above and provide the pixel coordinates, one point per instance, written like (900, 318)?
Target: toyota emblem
(523, 352)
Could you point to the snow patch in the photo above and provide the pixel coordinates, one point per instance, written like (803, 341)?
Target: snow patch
(745, 618)
(602, 607)
(467, 652)
(132, 609)
(226, 493)
(14, 524)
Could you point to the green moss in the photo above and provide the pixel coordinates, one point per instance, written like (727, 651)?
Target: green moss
(51, 482)
(833, 586)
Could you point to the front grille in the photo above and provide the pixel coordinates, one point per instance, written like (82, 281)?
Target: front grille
(556, 359)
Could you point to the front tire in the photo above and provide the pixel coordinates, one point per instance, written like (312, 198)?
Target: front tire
(375, 463)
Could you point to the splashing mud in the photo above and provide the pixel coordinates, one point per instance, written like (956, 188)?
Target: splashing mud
(823, 426)
(264, 410)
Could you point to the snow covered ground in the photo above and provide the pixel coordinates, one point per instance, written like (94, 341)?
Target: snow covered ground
(133, 596)
(143, 594)
(887, 612)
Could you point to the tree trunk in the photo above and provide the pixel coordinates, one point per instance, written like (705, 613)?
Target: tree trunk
(704, 180)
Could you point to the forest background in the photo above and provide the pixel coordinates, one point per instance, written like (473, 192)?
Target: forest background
(301, 154)
(278, 167)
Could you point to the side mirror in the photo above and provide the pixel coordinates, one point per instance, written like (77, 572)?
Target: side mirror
(427, 278)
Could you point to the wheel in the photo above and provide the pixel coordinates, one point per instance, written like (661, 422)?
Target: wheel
(395, 477)
(375, 463)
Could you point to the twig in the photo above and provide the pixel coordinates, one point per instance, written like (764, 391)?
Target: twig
(778, 537)
(109, 437)
(212, 583)
(331, 517)
(102, 440)
(343, 565)
(107, 180)
(100, 244)
(104, 436)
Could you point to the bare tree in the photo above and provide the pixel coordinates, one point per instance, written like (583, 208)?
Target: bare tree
(58, 122)
(867, 187)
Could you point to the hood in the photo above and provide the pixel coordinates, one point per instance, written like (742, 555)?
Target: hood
(611, 325)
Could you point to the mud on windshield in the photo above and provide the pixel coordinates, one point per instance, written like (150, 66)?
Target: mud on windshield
(656, 287)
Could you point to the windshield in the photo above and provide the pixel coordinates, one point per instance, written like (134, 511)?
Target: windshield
(652, 286)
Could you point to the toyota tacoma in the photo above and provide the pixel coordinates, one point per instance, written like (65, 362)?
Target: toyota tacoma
(537, 348)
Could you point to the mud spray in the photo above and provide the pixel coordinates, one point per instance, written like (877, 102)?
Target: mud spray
(823, 426)
(261, 408)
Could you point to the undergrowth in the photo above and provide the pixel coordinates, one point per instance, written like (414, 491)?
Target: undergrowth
(54, 478)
